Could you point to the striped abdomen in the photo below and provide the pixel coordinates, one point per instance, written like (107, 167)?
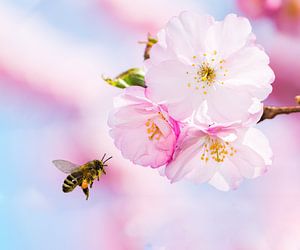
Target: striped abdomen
(72, 181)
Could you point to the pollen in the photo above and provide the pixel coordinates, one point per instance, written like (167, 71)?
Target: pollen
(208, 70)
(84, 184)
(152, 129)
(207, 73)
(216, 150)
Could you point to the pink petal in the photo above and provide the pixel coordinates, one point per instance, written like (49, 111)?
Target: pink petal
(167, 84)
(229, 36)
(227, 177)
(259, 143)
(250, 68)
(160, 51)
(184, 34)
(186, 162)
(131, 95)
(248, 162)
(166, 81)
(228, 104)
(180, 166)
(129, 129)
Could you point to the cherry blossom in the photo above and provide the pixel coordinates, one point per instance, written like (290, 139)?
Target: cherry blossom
(143, 131)
(221, 154)
(199, 61)
(259, 8)
(284, 13)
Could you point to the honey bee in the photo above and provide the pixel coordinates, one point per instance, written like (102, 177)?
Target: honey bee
(81, 175)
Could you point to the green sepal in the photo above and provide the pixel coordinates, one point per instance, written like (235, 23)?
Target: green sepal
(131, 77)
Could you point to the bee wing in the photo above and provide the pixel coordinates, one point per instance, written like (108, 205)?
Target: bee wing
(65, 166)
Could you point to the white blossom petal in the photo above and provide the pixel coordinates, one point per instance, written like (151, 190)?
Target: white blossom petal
(228, 36)
(227, 177)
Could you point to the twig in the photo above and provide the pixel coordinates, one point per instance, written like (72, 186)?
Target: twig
(297, 98)
(270, 111)
(151, 41)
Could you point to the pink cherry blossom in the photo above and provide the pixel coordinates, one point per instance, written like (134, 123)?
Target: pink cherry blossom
(259, 8)
(202, 62)
(219, 154)
(143, 131)
(284, 13)
(288, 17)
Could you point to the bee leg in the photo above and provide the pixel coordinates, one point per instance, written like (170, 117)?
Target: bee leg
(91, 185)
(86, 192)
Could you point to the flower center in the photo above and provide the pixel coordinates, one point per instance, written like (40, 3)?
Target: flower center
(216, 150)
(152, 129)
(206, 73)
(208, 70)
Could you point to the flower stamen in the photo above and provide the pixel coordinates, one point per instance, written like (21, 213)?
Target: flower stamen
(152, 129)
(217, 150)
(207, 73)
(209, 70)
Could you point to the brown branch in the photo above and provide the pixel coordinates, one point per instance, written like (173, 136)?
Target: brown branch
(297, 98)
(270, 111)
(149, 43)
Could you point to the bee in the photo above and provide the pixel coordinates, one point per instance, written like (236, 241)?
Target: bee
(81, 175)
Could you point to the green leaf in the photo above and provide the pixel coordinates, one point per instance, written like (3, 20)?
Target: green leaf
(131, 77)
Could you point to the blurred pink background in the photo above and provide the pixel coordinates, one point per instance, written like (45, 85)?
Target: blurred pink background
(54, 104)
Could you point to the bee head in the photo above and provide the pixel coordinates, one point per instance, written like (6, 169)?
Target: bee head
(102, 163)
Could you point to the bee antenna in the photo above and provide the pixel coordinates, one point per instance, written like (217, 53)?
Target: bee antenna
(107, 160)
(103, 157)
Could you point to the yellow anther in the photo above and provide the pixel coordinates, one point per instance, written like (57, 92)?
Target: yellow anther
(152, 129)
(205, 72)
(217, 150)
